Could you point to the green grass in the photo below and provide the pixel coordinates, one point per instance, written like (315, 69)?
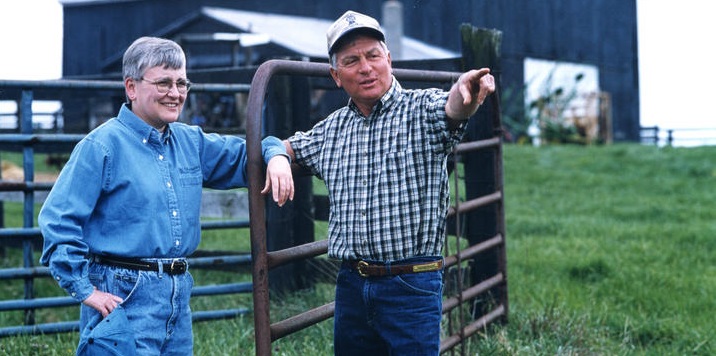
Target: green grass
(610, 252)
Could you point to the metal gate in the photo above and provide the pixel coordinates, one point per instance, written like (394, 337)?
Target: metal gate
(454, 305)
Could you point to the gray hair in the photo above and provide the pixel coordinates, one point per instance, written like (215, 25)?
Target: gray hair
(333, 61)
(149, 52)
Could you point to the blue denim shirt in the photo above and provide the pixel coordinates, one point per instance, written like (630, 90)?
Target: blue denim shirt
(130, 191)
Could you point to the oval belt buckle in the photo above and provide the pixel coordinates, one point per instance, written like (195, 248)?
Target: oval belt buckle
(177, 267)
(359, 268)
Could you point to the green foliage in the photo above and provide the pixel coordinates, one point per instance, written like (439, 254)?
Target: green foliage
(610, 252)
(548, 113)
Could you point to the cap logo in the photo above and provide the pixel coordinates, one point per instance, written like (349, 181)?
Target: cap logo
(351, 19)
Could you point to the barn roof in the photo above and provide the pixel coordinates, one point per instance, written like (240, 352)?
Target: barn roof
(306, 35)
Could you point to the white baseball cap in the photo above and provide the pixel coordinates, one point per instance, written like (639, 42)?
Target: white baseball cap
(349, 22)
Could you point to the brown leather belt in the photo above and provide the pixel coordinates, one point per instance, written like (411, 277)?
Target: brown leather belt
(366, 269)
(171, 266)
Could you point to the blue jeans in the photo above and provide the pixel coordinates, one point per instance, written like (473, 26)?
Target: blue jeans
(392, 315)
(156, 304)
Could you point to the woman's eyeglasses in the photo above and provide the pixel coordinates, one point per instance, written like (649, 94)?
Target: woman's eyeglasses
(165, 85)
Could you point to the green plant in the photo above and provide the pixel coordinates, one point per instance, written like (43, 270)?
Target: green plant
(547, 112)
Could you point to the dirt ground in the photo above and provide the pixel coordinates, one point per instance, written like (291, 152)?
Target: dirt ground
(13, 172)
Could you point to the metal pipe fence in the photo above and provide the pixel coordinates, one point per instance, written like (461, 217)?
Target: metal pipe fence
(456, 304)
(28, 236)
(684, 137)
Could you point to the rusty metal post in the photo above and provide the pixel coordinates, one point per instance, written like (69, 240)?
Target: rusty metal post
(257, 215)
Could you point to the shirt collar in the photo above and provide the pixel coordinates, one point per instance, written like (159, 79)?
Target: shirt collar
(386, 101)
(135, 123)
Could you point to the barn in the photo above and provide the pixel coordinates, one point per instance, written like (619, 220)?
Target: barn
(594, 41)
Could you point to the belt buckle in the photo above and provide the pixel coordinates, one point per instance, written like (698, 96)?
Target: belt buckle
(177, 267)
(427, 267)
(359, 268)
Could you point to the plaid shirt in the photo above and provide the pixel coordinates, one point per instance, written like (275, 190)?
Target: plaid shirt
(386, 174)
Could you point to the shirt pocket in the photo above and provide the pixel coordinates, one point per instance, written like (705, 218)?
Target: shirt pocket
(190, 176)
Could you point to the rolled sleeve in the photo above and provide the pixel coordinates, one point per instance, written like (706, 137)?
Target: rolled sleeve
(271, 147)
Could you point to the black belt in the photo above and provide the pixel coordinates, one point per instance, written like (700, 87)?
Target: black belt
(171, 266)
(366, 269)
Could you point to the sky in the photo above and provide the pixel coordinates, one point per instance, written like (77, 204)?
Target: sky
(676, 55)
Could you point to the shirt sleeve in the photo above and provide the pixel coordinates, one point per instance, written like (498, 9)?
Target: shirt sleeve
(224, 159)
(62, 216)
(441, 136)
(308, 146)
(271, 147)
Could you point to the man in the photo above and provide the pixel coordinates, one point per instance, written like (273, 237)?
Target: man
(123, 214)
(383, 160)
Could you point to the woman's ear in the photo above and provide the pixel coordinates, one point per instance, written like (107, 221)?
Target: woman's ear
(130, 88)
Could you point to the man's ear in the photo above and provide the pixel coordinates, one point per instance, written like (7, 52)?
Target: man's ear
(334, 74)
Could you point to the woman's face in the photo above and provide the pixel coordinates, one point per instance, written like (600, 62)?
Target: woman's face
(149, 103)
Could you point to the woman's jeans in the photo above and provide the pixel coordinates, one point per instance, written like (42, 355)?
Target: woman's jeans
(156, 304)
(392, 315)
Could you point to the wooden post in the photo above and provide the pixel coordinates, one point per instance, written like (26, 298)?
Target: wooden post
(481, 48)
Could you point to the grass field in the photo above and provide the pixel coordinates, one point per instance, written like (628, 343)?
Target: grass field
(610, 252)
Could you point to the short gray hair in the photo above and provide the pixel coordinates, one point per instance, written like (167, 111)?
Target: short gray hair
(149, 52)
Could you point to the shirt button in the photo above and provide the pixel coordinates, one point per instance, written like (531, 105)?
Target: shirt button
(57, 278)
(174, 213)
(144, 140)
(74, 294)
(169, 184)
(161, 158)
(176, 242)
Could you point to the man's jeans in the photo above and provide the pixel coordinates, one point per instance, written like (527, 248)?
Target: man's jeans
(393, 315)
(156, 304)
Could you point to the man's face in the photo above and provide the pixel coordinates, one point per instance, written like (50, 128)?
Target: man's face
(156, 108)
(363, 70)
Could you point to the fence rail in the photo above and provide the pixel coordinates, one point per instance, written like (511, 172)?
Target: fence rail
(678, 136)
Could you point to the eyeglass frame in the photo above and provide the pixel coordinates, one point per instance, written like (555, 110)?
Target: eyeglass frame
(164, 82)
